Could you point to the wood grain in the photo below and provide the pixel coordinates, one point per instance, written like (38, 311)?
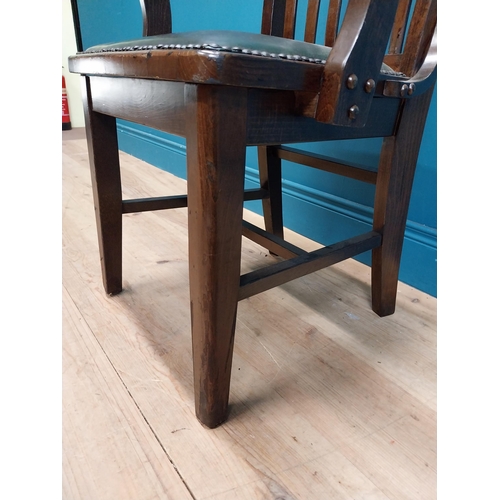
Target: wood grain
(102, 142)
(156, 17)
(328, 400)
(216, 119)
(101, 426)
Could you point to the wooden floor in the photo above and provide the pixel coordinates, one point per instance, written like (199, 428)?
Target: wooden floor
(328, 401)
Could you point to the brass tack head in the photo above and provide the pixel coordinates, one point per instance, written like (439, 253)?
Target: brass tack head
(353, 112)
(369, 85)
(352, 81)
(404, 90)
(411, 89)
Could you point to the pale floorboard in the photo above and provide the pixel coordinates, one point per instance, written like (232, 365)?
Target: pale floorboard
(328, 401)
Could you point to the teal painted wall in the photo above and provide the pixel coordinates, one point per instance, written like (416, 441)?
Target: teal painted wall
(324, 207)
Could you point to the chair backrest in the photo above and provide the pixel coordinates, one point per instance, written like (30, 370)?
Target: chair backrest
(398, 32)
(411, 35)
(412, 31)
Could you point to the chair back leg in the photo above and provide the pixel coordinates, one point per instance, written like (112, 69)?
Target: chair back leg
(270, 180)
(396, 171)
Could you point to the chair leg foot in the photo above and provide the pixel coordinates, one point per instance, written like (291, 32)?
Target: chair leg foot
(113, 290)
(216, 134)
(384, 291)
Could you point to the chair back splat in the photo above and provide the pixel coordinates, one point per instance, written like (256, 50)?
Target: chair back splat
(371, 76)
(156, 17)
(279, 19)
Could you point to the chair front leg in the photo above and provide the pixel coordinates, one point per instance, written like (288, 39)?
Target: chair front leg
(216, 146)
(106, 187)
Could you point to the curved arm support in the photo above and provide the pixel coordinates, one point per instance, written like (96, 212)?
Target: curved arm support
(355, 58)
(156, 17)
(423, 79)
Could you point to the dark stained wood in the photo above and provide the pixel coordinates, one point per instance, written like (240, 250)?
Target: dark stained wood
(157, 203)
(179, 201)
(274, 118)
(273, 17)
(424, 78)
(279, 19)
(136, 100)
(311, 21)
(76, 25)
(420, 33)
(290, 19)
(327, 164)
(224, 101)
(216, 164)
(359, 50)
(399, 28)
(332, 22)
(276, 245)
(392, 198)
(156, 17)
(255, 194)
(282, 272)
(270, 180)
(106, 185)
(193, 66)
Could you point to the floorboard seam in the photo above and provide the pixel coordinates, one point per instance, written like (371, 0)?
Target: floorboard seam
(138, 407)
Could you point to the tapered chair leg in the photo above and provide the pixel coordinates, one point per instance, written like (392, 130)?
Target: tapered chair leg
(270, 180)
(106, 187)
(392, 198)
(215, 138)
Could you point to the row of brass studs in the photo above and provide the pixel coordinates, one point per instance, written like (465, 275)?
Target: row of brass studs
(210, 46)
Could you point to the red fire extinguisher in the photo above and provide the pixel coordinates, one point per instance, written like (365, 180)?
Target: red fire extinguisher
(66, 122)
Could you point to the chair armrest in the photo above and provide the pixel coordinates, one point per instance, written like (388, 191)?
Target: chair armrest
(355, 59)
(156, 17)
(418, 84)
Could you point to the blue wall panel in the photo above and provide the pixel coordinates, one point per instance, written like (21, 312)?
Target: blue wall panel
(322, 206)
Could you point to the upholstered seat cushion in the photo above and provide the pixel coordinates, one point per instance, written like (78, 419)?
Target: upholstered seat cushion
(228, 42)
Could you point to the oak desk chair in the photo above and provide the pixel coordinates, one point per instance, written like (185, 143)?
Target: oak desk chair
(225, 90)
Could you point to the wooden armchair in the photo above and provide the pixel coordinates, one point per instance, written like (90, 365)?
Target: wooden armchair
(373, 77)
